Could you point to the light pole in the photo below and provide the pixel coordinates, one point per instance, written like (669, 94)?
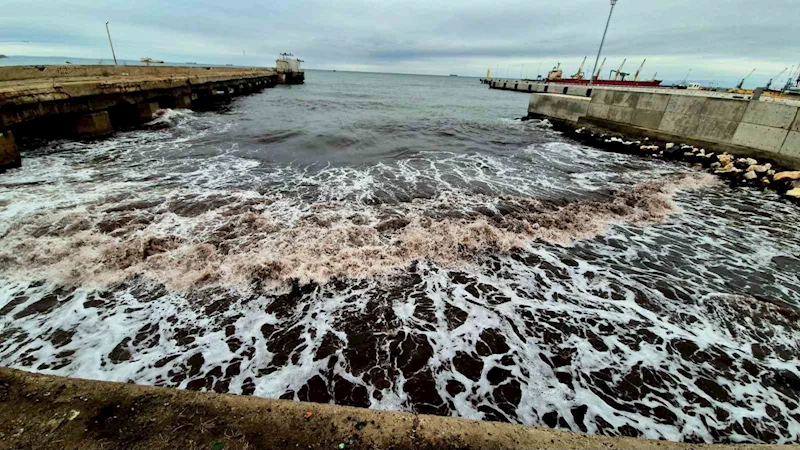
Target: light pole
(111, 44)
(602, 41)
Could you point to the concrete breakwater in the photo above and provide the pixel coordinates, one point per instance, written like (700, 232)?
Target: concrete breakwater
(49, 412)
(742, 127)
(92, 101)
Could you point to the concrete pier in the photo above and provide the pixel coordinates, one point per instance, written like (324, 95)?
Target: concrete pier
(91, 101)
(760, 128)
(48, 412)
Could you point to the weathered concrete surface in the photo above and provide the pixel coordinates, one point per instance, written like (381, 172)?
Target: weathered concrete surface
(560, 106)
(45, 412)
(93, 124)
(146, 111)
(80, 89)
(9, 155)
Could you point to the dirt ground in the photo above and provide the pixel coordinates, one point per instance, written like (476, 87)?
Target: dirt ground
(46, 412)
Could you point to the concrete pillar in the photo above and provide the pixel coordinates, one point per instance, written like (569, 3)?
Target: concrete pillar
(183, 101)
(146, 111)
(93, 124)
(9, 156)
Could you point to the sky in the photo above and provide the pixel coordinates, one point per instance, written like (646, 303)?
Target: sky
(719, 40)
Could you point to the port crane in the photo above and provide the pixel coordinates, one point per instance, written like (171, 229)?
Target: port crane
(639, 70)
(741, 83)
(769, 85)
(789, 78)
(579, 74)
(600, 70)
(619, 72)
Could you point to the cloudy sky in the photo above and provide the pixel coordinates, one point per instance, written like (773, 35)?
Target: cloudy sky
(718, 40)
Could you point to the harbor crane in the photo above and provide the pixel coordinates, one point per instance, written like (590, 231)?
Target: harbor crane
(579, 74)
(600, 70)
(619, 72)
(789, 78)
(639, 70)
(741, 83)
(769, 84)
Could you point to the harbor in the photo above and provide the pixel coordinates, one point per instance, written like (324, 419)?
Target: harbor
(390, 246)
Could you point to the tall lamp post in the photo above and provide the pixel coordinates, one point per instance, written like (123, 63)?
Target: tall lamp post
(602, 41)
(112, 45)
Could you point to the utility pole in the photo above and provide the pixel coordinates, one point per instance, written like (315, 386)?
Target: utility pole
(111, 44)
(602, 41)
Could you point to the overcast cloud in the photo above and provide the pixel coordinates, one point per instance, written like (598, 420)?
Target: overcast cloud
(718, 39)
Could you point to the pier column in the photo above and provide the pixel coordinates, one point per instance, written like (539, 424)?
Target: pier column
(9, 155)
(93, 124)
(183, 101)
(146, 111)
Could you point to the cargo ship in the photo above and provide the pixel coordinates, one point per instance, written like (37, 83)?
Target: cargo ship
(616, 77)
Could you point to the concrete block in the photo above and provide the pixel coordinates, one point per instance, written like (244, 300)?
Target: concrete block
(620, 114)
(647, 118)
(625, 98)
(183, 101)
(93, 124)
(146, 111)
(686, 104)
(653, 102)
(559, 106)
(680, 124)
(791, 146)
(723, 108)
(602, 96)
(578, 91)
(598, 111)
(9, 155)
(573, 108)
(540, 87)
(796, 124)
(715, 130)
(760, 137)
(770, 114)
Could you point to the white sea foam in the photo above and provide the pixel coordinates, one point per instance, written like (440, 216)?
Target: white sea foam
(548, 285)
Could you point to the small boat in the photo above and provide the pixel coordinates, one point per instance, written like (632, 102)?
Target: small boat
(151, 61)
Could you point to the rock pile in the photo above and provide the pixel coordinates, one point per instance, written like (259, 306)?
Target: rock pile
(738, 171)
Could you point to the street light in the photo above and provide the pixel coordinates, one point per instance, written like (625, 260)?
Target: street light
(602, 41)
(112, 45)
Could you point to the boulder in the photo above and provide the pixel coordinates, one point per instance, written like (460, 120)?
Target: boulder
(725, 159)
(780, 176)
(794, 193)
(750, 175)
(760, 168)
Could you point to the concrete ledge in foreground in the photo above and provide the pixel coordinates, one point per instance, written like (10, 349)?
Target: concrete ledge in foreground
(49, 412)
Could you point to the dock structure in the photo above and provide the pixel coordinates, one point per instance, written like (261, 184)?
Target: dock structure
(745, 125)
(91, 101)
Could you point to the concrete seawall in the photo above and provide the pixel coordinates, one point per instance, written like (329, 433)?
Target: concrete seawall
(756, 128)
(92, 101)
(48, 412)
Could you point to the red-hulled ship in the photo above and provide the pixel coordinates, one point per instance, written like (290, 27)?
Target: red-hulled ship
(616, 77)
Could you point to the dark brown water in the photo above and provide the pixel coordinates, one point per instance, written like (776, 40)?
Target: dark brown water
(402, 242)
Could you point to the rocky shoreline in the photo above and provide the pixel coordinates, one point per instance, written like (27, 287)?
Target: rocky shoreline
(737, 170)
